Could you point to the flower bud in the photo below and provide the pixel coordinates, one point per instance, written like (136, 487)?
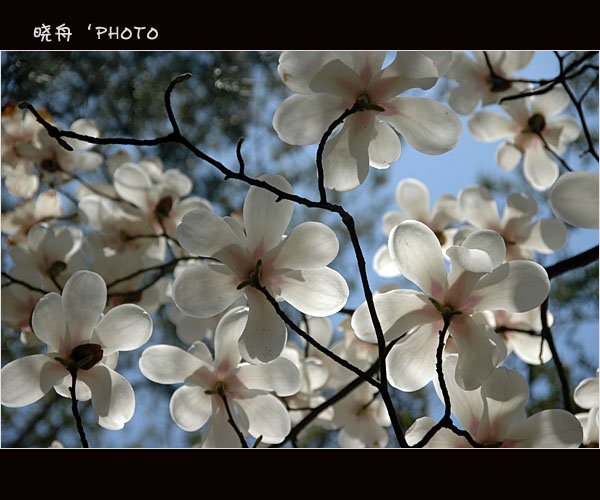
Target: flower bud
(88, 354)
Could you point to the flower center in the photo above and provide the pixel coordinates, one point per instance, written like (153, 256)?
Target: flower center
(536, 124)
(363, 102)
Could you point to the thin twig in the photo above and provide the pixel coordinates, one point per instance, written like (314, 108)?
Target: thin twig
(74, 409)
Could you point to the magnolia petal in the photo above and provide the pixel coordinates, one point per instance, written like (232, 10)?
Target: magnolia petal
(546, 429)
(427, 125)
(206, 290)
(113, 398)
(385, 146)
(48, 321)
(297, 68)
(262, 205)
(586, 393)
(219, 433)
(546, 236)
(204, 233)
(443, 438)
(227, 336)
(133, 184)
(265, 334)
(83, 300)
(479, 207)
(267, 417)
(26, 380)
(412, 196)
(301, 120)
(505, 394)
(540, 170)
(190, 407)
(337, 79)
(478, 354)
(411, 363)
(166, 364)
(550, 103)
(346, 155)
(417, 253)
(391, 219)
(574, 199)
(310, 245)
(488, 241)
(489, 126)
(531, 349)
(317, 292)
(516, 286)
(124, 328)
(383, 263)
(463, 99)
(508, 156)
(408, 70)
(398, 311)
(280, 375)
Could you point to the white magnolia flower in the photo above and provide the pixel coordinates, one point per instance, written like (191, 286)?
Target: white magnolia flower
(19, 127)
(574, 199)
(475, 81)
(75, 329)
(326, 84)
(477, 281)
(586, 396)
(291, 268)
(529, 130)
(53, 251)
(494, 415)
(362, 418)
(206, 381)
(522, 236)
(412, 196)
(54, 162)
(17, 222)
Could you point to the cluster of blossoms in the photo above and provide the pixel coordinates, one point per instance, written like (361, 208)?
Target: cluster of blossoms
(227, 281)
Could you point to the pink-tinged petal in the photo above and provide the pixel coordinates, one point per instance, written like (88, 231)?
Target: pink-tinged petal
(124, 328)
(48, 322)
(317, 292)
(366, 63)
(265, 334)
(408, 70)
(301, 120)
(385, 146)
(133, 185)
(427, 125)
(261, 206)
(310, 245)
(508, 156)
(489, 126)
(227, 336)
(466, 268)
(297, 68)
(467, 406)
(337, 79)
(206, 290)
(574, 199)
(478, 353)
(418, 254)
(346, 155)
(478, 207)
(398, 311)
(205, 234)
(267, 417)
(516, 286)
(412, 197)
(540, 170)
(83, 300)
(280, 375)
(26, 380)
(504, 394)
(411, 362)
(546, 429)
(190, 407)
(166, 364)
(113, 398)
